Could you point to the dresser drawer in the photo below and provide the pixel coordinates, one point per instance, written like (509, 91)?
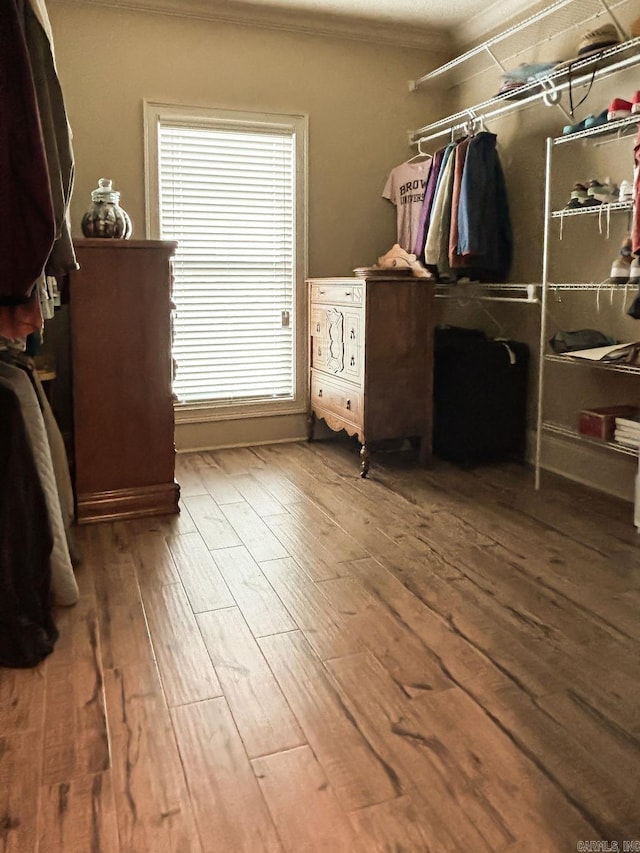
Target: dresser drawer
(353, 363)
(336, 340)
(337, 294)
(353, 345)
(319, 338)
(318, 323)
(336, 397)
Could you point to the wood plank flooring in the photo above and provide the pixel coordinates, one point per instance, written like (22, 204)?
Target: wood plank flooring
(432, 660)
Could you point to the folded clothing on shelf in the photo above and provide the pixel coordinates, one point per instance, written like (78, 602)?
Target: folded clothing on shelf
(625, 353)
(579, 339)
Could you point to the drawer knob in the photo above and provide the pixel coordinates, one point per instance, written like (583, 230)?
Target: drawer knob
(319, 351)
(317, 327)
(320, 393)
(348, 292)
(322, 291)
(352, 334)
(353, 361)
(349, 404)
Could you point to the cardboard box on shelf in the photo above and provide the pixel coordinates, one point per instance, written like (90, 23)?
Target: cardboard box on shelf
(601, 422)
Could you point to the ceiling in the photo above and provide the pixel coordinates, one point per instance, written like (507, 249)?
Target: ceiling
(440, 25)
(437, 13)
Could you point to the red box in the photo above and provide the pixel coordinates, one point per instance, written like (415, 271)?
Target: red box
(601, 422)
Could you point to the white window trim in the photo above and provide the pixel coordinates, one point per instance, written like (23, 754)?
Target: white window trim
(153, 114)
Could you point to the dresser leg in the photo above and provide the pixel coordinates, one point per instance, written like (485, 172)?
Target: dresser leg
(424, 453)
(365, 460)
(311, 420)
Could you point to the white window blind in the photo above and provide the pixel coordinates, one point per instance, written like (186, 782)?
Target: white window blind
(227, 196)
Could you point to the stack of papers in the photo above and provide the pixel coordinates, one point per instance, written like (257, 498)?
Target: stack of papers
(627, 353)
(627, 431)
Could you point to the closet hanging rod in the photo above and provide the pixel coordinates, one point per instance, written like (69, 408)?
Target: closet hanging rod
(467, 292)
(450, 130)
(553, 86)
(524, 300)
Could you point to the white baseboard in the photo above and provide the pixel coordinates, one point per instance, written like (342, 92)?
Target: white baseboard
(599, 468)
(244, 432)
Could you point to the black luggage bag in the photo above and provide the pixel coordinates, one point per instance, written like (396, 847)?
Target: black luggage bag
(480, 397)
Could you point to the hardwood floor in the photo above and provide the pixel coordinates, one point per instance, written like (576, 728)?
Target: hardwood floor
(429, 660)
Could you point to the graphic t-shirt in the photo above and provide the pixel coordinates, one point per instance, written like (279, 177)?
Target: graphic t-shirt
(405, 188)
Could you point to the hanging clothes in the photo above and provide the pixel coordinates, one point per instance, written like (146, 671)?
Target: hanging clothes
(16, 376)
(18, 321)
(438, 233)
(456, 260)
(427, 203)
(56, 133)
(40, 11)
(28, 233)
(405, 188)
(36, 166)
(27, 631)
(60, 464)
(635, 228)
(36, 174)
(484, 225)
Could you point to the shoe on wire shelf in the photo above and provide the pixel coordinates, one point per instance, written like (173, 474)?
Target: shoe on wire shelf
(618, 108)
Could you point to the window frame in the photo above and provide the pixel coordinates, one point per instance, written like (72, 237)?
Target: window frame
(154, 114)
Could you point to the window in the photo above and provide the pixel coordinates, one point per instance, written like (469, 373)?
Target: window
(228, 187)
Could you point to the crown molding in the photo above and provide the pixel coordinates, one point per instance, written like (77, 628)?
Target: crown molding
(384, 32)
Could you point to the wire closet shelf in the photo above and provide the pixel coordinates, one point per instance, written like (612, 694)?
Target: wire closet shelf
(522, 42)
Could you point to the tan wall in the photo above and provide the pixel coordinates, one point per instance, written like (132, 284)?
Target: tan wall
(355, 94)
(359, 111)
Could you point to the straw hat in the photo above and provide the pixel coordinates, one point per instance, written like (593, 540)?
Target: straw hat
(594, 42)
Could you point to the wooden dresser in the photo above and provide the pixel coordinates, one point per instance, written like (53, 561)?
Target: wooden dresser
(120, 308)
(371, 358)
